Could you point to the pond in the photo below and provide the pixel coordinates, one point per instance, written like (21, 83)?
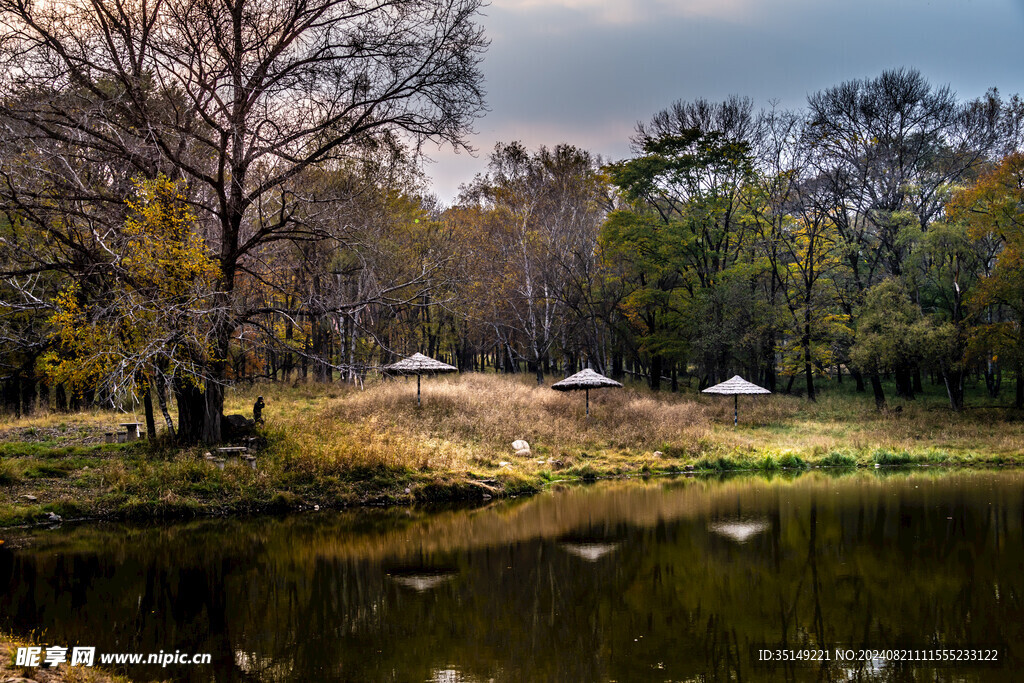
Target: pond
(658, 580)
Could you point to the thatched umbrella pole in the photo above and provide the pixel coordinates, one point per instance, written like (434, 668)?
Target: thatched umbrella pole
(418, 364)
(736, 386)
(586, 380)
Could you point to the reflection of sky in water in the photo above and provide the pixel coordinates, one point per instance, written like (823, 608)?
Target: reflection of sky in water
(421, 582)
(450, 676)
(740, 530)
(591, 552)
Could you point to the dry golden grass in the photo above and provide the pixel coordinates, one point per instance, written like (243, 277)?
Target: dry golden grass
(467, 423)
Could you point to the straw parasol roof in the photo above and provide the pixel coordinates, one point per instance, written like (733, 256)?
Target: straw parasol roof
(734, 387)
(586, 380)
(418, 364)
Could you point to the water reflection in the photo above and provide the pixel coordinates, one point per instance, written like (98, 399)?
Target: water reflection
(665, 580)
(739, 530)
(589, 551)
(421, 581)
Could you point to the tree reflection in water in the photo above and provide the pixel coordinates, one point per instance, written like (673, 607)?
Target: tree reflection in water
(668, 580)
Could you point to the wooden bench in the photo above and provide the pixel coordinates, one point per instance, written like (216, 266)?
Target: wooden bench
(241, 452)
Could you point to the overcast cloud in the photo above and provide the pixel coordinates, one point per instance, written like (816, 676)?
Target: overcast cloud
(585, 71)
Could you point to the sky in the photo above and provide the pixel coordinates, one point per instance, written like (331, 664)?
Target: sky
(585, 72)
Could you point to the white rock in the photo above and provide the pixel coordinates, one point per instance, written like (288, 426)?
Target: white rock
(504, 464)
(29, 497)
(520, 445)
(523, 453)
(658, 454)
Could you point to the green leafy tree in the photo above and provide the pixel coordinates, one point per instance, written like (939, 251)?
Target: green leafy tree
(687, 232)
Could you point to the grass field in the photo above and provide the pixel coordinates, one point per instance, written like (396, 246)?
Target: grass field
(335, 445)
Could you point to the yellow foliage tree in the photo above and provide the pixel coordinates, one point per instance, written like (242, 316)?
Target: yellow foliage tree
(146, 322)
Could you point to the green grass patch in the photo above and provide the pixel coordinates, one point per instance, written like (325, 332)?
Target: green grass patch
(17, 515)
(584, 472)
(721, 463)
(792, 461)
(137, 509)
(837, 459)
(47, 470)
(9, 473)
(890, 458)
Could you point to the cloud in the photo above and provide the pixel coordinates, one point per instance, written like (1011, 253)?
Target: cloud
(585, 71)
(617, 12)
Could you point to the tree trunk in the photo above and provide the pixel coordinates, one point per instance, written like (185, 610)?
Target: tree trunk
(808, 365)
(955, 388)
(770, 378)
(992, 378)
(191, 408)
(28, 394)
(12, 396)
(289, 359)
(161, 398)
(147, 402)
(858, 378)
(1018, 398)
(904, 385)
(876, 387)
(44, 395)
(655, 376)
(809, 374)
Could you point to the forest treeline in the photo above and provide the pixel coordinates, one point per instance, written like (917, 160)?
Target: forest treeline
(177, 218)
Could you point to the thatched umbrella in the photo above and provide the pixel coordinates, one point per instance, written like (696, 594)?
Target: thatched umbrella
(586, 380)
(736, 386)
(418, 364)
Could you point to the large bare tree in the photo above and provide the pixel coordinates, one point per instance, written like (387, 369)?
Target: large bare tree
(237, 98)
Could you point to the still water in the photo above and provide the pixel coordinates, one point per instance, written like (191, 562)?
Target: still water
(664, 580)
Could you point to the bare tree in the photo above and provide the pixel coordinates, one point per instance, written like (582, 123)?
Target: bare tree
(237, 98)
